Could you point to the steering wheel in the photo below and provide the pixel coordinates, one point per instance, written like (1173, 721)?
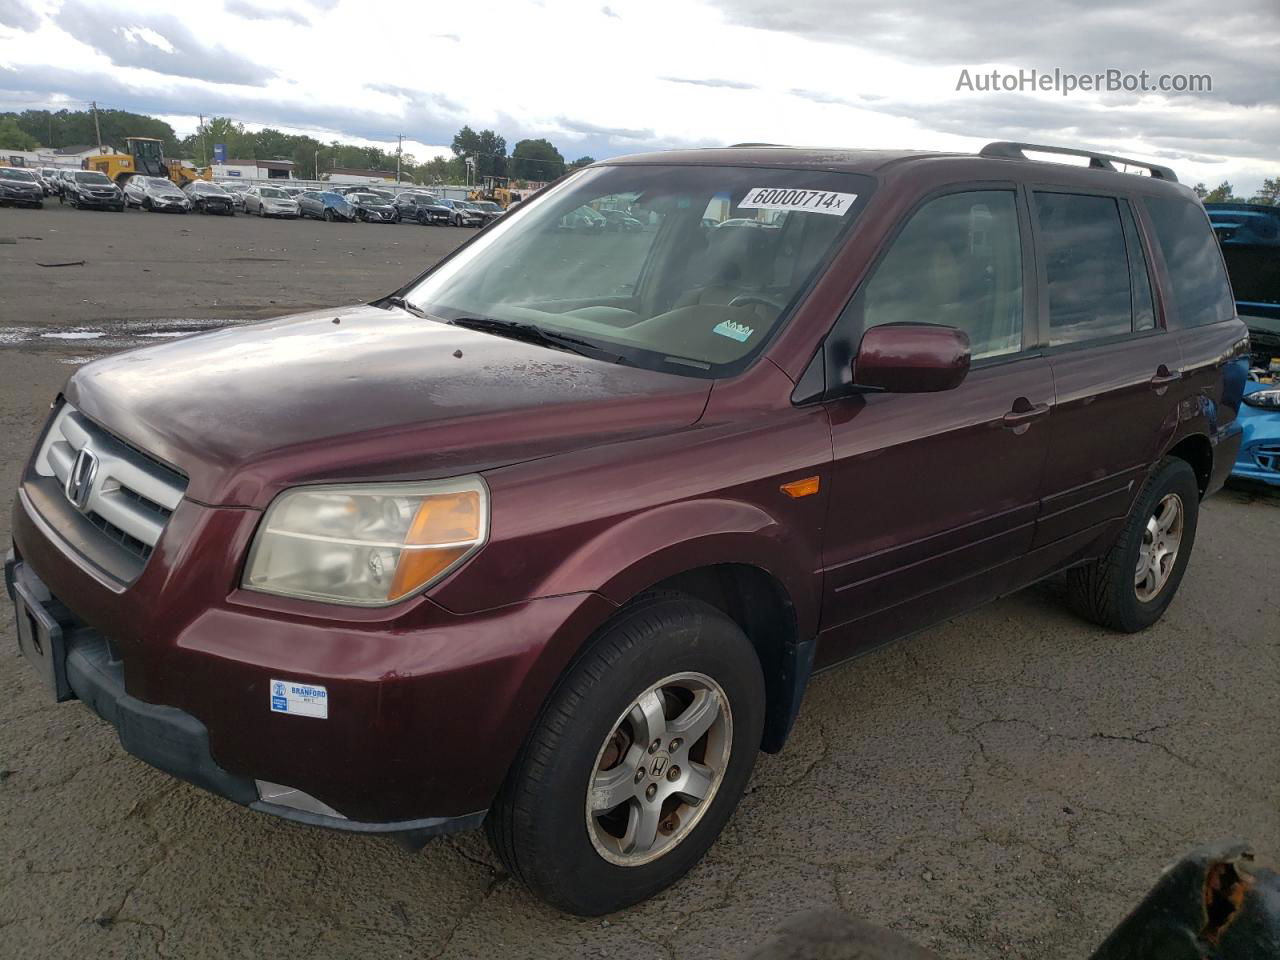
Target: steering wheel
(747, 299)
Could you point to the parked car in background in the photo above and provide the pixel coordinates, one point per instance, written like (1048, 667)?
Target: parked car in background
(388, 569)
(620, 221)
(155, 195)
(1249, 234)
(349, 189)
(460, 215)
(326, 205)
(1250, 237)
(237, 192)
(293, 191)
(89, 188)
(20, 188)
(50, 180)
(582, 220)
(488, 210)
(373, 207)
(207, 197)
(425, 208)
(267, 201)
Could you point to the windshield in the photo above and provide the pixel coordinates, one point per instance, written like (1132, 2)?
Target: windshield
(273, 192)
(202, 187)
(673, 289)
(91, 176)
(13, 173)
(160, 183)
(368, 198)
(486, 205)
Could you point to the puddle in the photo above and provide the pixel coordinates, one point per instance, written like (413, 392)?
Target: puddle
(107, 336)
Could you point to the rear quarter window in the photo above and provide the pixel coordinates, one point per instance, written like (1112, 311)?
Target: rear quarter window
(1201, 293)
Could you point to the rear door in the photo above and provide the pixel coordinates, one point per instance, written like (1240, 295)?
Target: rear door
(1115, 366)
(934, 494)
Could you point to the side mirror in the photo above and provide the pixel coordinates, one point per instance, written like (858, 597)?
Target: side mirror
(912, 358)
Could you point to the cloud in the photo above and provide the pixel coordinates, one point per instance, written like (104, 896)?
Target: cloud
(156, 42)
(616, 133)
(1185, 134)
(242, 8)
(1237, 44)
(725, 84)
(16, 14)
(417, 97)
(609, 13)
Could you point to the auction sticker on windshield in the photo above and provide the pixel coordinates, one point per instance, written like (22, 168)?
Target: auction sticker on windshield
(806, 201)
(303, 699)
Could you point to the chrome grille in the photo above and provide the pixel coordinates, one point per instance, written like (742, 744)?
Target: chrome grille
(125, 494)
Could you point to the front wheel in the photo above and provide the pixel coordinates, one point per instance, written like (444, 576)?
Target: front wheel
(328, 215)
(637, 761)
(1129, 587)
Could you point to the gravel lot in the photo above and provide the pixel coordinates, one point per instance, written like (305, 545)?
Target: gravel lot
(1009, 783)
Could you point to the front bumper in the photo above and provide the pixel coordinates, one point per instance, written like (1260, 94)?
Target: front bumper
(426, 708)
(1259, 457)
(176, 742)
(86, 200)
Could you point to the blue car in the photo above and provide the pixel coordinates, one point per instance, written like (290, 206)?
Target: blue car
(1260, 445)
(1250, 238)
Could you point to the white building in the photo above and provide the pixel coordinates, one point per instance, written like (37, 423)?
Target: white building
(253, 170)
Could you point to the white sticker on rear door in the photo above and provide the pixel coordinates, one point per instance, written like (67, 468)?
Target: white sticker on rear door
(302, 699)
(806, 201)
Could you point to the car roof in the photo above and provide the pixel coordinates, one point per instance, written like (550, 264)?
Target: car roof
(1005, 157)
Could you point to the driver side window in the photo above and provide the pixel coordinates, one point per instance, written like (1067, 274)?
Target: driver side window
(957, 263)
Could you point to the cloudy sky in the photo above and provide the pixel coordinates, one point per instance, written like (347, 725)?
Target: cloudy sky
(636, 75)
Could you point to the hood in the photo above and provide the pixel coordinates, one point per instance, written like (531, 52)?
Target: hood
(363, 393)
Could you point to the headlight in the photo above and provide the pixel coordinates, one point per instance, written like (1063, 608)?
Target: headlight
(1267, 399)
(368, 544)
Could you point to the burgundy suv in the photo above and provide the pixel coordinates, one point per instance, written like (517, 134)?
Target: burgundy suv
(552, 539)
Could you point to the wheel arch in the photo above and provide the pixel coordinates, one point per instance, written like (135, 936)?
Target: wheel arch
(1197, 450)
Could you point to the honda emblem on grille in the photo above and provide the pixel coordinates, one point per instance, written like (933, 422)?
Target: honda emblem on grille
(80, 480)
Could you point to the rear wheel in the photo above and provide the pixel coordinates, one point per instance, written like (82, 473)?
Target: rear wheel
(638, 759)
(1129, 588)
(328, 215)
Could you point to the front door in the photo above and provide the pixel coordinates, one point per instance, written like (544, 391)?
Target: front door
(935, 494)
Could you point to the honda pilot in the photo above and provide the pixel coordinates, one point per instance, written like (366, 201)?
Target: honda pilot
(551, 540)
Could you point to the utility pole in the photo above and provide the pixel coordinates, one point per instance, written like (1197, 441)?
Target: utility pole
(399, 149)
(204, 147)
(96, 129)
(316, 172)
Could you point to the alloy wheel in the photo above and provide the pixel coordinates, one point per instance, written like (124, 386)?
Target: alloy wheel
(658, 771)
(1159, 549)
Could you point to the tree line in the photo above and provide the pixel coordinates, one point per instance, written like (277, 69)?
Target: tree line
(530, 159)
(1269, 195)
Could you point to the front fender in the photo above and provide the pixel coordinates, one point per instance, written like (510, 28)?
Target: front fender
(623, 560)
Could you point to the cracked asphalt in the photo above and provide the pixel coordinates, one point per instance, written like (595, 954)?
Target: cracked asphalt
(1006, 784)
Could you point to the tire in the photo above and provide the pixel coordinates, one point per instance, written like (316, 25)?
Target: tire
(423, 221)
(39, 204)
(119, 208)
(328, 215)
(147, 205)
(539, 825)
(1108, 590)
(457, 220)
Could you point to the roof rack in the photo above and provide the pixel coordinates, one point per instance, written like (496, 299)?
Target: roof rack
(1010, 150)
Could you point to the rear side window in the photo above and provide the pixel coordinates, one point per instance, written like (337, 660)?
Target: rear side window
(1086, 267)
(1201, 293)
(957, 262)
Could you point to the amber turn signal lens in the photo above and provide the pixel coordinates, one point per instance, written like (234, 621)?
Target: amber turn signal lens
(446, 519)
(416, 567)
(801, 488)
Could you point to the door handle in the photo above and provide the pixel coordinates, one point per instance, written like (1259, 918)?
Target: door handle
(1164, 377)
(1023, 415)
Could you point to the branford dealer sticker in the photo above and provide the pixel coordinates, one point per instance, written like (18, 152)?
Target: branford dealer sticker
(807, 201)
(303, 699)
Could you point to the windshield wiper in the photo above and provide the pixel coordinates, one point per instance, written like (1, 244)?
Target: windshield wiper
(532, 333)
(408, 307)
